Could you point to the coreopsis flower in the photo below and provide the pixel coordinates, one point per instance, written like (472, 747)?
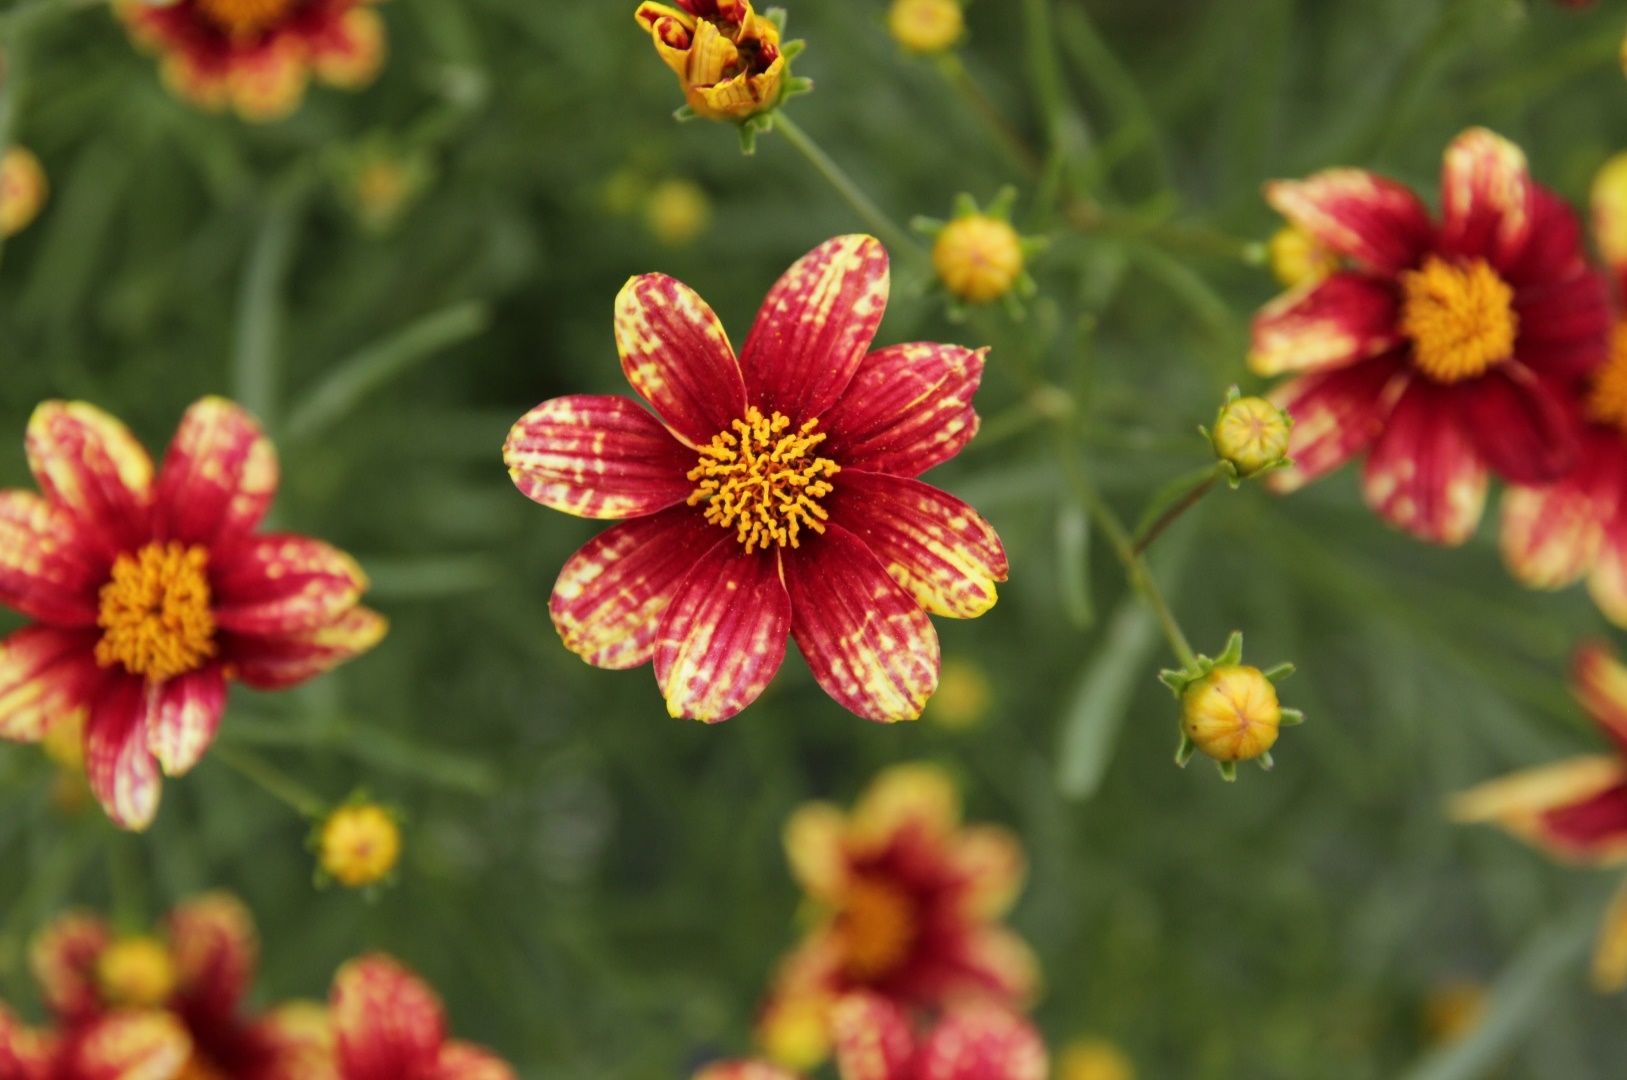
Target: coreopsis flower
(1251, 437)
(1575, 810)
(150, 593)
(1229, 711)
(908, 904)
(974, 1040)
(926, 27)
(359, 844)
(1576, 527)
(770, 495)
(729, 60)
(198, 968)
(390, 1026)
(119, 1046)
(23, 190)
(1444, 351)
(258, 56)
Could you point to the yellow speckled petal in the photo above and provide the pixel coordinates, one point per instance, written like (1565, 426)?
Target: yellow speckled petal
(218, 477)
(281, 583)
(872, 1037)
(46, 676)
(813, 846)
(88, 463)
(908, 408)
(917, 794)
(1377, 222)
(1424, 474)
(184, 718)
(1485, 196)
(1329, 323)
(1551, 535)
(1526, 803)
(675, 353)
(992, 861)
(131, 1046)
(275, 663)
(45, 571)
(597, 457)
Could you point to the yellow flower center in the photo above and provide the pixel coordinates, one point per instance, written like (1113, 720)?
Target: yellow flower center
(877, 927)
(763, 480)
(360, 844)
(1607, 401)
(1460, 317)
(136, 972)
(244, 18)
(155, 615)
(978, 258)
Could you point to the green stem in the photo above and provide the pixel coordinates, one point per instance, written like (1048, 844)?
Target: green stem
(1004, 132)
(1193, 496)
(257, 359)
(873, 215)
(276, 783)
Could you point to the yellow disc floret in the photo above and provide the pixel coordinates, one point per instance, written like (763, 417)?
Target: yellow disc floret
(244, 18)
(136, 972)
(1231, 714)
(978, 258)
(877, 928)
(155, 615)
(360, 844)
(926, 26)
(763, 480)
(1607, 401)
(1460, 317)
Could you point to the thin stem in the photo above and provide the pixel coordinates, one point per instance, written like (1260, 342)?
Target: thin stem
(276, 783)
(1193, 496)
(1006, 133)
(874, 216)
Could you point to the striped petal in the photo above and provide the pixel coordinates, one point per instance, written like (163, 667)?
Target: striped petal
(1339, 320)
(872, 1038)
(130, 1046)
(45, 571)
(1599, 682)
(88, 463)
(608, 601)
(388, 1022)
(866, 638)
(908, 408)
(1610, 954)
(1574, 810)
(598, 457)
(1521, 429)
(1337, 414)
(991, 862)
(46, 675)
(298, 1038)
(982, 1041)
(279, 583)
(461, 1061)
(816, 326)
(813, 839)
(938, 548)
(276, 663)
(1485, 197)
(676, 354)
(183, 717)
(1424, 474)
(1551, 535)
(121, 770)
(218, 476)
(215, 949)
(723, 636)
(1374, 221)
(62, 959)
(1607, 584)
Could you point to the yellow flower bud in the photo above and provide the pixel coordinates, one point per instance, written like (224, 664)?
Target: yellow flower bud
(978, 258)
(64, 743)
(360, 844)
(1231, 714)
(136, 972)
(1298, 259)
(795, 1031)
(677, 212)
(23, 190)
(1453, 1010)
(926, 26)
(963, 696)
(729, 60)
(1251, 435)
(1094, 1059)
(1610, 210)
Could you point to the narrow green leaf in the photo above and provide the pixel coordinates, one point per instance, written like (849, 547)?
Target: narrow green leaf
(1095, 714)
(1073, 564)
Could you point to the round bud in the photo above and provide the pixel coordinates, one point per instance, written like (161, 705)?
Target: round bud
(360, 844)
(1094, 1059)
(1231, 714)
(1298, 259)
(677, 212)
(23, 190)
(926, 26)
(136, 972)
(978, 258)
(1251, 435)
(963, 696)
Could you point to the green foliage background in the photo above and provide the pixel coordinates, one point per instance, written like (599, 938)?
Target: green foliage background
(598, 890)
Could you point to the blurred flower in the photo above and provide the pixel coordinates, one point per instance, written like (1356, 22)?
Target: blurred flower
(1453, 1010)
(380, 182)
(1251, 436)
(1445, 351)
(64, 745)
(199, 969)
(390, 1026)
(963, 696)
(1229, 711)
(775, 494)
(974, 1040)
(677, 212)
(1553, 535)
(1575, 810)
(1297, 258)
(977, 255)
(120, 1046)
(908, 904)
(727, 57)
(359, 844)
(23, 190)
(257, 56)
(926, 26)
(150, 593)
(745, 1070)
(1094, 1059)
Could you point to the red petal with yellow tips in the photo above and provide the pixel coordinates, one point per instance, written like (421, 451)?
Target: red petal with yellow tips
(1486, 195)
(908, 408)
(1365, 217)
(1337, 414)
(982, 1042)
(89, 464)
(184, 715)
(1599, 682)
(598, 457)
(45, 571)
(389, 1024)
(215, 949)
(218, 477)
(461, 1061)
(676, 354)
(1424, 474)
(275, 663)
(280, 583)
(62, 959)
(1330, 323)
(45, 675)
(872, 1038)
(121, 770)
(127, 1046)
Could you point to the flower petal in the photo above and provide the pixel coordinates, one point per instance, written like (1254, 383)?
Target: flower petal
(1599, 682)
(62, 959)
(350, 51)
(25, 1054)
(1424, 474)
(216, 950)
(745, 1070)
(461, 1061)
(723, 636)
(866, 638)
(45, 571)
(1610, 954)
(121, 770)
(88, 463)
(280, 583)
(598, 457)
(938, 548)
(388, 1022)
(275, 663)
(1565, 325)
(184, 716)
(813, 839)
(1574, 810)
(218, 477)
(872, 1037)
(1373, 220)
(912, 796)
(1521, 429)
(298, 1040)
(816, 326)
(676, 354)
(908, 408)
(46, 674)
(1607, 584)
(982, 1041)
(991, 862)
(130, 1046)
(608, 601)
(1330, 323)
(1337, 414)
(1485, 197)
(998, 962)
(1551, 535)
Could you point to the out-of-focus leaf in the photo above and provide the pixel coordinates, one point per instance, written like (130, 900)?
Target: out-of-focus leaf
(1095, 713)
(1073, 564)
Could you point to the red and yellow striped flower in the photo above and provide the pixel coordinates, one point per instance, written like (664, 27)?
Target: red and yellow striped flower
(151, 591)
(772, 494)
(974, 1040)
(197, 970)
(390, 1026)
(120, 1046)
(1575, 810)
(908, 903)
(1445, 351)
(258, 56)
(1556, 534)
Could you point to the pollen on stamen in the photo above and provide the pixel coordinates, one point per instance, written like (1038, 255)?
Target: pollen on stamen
(763, 480)
(155, 612)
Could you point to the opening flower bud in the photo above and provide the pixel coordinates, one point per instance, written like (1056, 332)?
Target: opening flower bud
(136, 972)
(728, 58)
(359, 845)
(1298, 259)
(1231, 714)
(978, 258)
(1251, 436)
(926, 26)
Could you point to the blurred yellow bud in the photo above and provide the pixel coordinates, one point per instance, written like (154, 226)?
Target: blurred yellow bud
(1453, 1010)
(360, 844)
(963, 696)
(1610, 210)
(23, 190)
(978, 258)
(136, 972)
(1251, 435)
(926, 26)
(795, 1031)
(1298, 259)
(1231, 714)
(677, 212)
(64, 742)
(1094, 1059)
